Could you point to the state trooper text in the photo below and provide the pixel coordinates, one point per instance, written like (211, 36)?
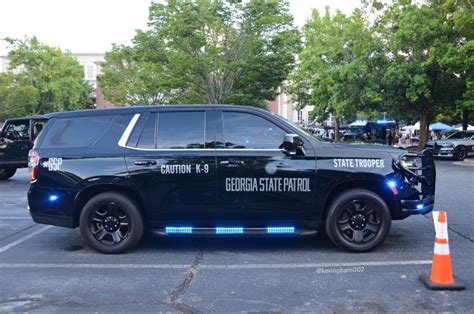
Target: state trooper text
(358, 163)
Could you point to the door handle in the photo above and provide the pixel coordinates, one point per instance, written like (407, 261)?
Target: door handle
(145, 162)
(232, 162)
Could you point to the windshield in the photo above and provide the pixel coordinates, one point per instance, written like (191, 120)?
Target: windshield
(320, 138)
(460, 135)
(295, 125)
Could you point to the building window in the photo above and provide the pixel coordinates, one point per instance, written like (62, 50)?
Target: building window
(89, 72)
(300, 116)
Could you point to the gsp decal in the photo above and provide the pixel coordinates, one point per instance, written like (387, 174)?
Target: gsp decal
(267, 185)
(358, 163)
(53, 164)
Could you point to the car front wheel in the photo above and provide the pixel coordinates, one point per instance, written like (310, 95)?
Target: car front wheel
(7, 173)
(111, 223)
(358, 220)
(460, 153)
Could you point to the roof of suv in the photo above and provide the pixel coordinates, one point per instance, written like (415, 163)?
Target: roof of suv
(140, 109)
(36, 117)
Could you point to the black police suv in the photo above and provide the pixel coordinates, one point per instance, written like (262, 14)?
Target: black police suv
(217, 170)
(16, 139)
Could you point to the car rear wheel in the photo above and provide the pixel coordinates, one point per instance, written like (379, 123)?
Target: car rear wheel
(460, 153)
(358, 220)
(7, 173)
(111, 223)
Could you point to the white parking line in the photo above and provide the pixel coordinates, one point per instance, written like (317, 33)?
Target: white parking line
(22, 239)
(210, 266)
(19, 217)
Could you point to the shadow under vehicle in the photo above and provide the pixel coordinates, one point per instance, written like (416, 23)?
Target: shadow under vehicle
(17, 137)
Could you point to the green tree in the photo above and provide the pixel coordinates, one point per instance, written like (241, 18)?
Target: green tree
(339, 67)
(426, 48)
(205, 51)
(460, 16)
(41, 79)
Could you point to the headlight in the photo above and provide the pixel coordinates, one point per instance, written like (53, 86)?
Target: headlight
(409, 162)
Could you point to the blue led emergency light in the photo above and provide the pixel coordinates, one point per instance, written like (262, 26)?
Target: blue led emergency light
(392, 184)
(53, 198)
(419, 206)
(179, 229)
(229, 230)
(280, 229)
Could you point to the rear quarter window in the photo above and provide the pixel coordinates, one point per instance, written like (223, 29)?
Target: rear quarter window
(77, 132)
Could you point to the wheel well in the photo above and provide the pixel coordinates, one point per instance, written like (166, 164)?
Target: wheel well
(375, 186)
(88, 193)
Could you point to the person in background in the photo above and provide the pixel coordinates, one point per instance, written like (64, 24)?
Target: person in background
(390, 138)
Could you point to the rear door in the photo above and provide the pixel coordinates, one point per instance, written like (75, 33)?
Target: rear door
(256, 180)
(16, 142)
(171, 158)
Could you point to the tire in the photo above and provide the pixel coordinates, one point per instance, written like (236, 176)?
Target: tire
(111, 223)
(7, 173)
(358, 220)
(460, 153)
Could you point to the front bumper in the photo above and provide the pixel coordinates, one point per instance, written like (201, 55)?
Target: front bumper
(417, 193)
(414, 207)
(442, 152)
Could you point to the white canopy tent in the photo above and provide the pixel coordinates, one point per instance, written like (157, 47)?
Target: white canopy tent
(469, 127)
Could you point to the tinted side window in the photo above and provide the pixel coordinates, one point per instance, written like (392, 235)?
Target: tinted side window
(147, 138)
(76, 132)
(245, 130)
(183, 129)
(465, 135)
(38, 126)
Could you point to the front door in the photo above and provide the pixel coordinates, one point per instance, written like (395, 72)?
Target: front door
(256, 179)
(171, 158)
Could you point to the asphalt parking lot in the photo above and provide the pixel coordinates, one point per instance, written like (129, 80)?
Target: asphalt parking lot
(46, 268)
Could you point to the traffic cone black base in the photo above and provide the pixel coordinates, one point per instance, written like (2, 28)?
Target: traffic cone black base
(457, 285)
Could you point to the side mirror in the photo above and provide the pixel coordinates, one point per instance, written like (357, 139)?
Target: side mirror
(292, 145)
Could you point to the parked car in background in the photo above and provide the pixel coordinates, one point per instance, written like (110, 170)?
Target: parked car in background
(16, 139)
(351, 135)
(457, 145)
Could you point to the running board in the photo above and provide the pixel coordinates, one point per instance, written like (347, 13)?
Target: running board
(225, 231)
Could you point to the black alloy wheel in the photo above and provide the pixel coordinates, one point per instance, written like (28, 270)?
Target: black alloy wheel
(7, 173)
(460, 153)
(358, 220)
(111, 223)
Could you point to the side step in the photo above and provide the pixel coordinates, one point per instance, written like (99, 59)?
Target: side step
(228, 230)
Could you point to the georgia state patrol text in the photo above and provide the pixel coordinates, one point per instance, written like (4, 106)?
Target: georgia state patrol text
(267, 185)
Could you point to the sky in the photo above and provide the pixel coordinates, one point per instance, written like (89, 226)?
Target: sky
(93, 25)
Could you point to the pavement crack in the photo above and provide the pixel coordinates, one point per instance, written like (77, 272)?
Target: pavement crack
(459, 233)
(180, 290)
(28, 304)
(24, 230)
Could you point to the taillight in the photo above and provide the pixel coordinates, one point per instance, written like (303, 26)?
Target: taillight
(33, 163)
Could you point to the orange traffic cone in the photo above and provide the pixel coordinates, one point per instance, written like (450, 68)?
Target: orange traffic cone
(441, 277)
